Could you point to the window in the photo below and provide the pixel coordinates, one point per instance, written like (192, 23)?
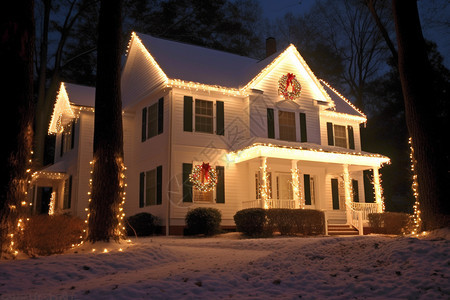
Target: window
(258, 183)
(192, 194)
(67, 193)
(286, 123)
(153, 120)
(68, 138)
(150, 187)
(340, 136)
(204, 116)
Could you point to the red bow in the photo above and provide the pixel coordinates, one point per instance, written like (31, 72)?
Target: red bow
(290, 77)
(205, 170)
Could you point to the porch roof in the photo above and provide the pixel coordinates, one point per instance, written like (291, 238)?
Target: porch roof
(308, 152)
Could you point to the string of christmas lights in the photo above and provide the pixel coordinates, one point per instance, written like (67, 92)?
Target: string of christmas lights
(417, 221)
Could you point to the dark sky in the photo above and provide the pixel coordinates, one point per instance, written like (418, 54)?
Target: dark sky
(430, 12)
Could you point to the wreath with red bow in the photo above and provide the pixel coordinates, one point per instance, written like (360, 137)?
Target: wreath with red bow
(289, 86)
(203, 177)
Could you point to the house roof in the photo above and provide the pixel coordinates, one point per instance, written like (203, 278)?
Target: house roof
(198, 64)
(342, 105)
(80, 95)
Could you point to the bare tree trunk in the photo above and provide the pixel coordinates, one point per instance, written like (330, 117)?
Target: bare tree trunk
(16, 61)
(108, 134)
(421, 115)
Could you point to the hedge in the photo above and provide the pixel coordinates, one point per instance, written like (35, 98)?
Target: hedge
(390, 223)
(260, 222)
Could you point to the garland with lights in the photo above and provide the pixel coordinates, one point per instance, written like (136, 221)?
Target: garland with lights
(289, 86)
(203, 177)
(415, 188)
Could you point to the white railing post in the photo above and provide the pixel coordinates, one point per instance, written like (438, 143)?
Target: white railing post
(360, 223)
(326, 222)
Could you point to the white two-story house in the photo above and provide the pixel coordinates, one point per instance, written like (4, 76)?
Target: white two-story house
(270, 133)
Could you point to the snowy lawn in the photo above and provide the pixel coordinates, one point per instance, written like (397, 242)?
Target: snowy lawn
(374, 267)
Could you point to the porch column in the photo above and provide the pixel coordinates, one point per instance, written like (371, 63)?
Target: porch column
(347, 192)
(296, 185)
(264, 189)
(377, 189)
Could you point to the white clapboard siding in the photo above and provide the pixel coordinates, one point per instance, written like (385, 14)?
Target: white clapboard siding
(139, 76)
(270, 99)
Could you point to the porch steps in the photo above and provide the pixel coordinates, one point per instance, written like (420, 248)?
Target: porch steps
(341, 229)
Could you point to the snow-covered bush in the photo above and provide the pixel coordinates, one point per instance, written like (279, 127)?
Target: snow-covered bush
(252, 222)
(203, 220)
(390, 223)
(142, 224)
(47, 235)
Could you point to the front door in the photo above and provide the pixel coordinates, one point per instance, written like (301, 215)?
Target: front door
(284, 192)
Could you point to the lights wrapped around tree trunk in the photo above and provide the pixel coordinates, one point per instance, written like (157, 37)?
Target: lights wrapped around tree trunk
(203, 177)
(289, 87)
(415, 187)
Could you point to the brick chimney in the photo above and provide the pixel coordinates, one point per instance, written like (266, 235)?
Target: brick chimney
(271, 46)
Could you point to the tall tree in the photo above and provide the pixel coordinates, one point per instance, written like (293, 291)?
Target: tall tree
(108, 134)
(16, 60)
(421, 115)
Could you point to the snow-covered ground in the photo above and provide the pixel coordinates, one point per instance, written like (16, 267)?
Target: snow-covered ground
(366, 267)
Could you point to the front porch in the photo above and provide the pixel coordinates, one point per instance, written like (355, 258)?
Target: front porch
(311, 178)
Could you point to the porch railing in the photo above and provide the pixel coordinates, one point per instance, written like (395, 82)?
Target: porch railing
(358, 214)
(271, 203)
(365, 208)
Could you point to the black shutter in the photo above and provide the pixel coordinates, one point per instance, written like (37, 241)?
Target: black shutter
(351, 138)
(141, 189)
(335, 192)
(73, 135)
(187, 185)
(303, 135)
(307, 187)
(220, 188)
(330, 134)
(220, 118)
(159, 185)
(160, 115)
(355, 190)
(144, 124)
(69, 201)
(187, 115)
(270, 124)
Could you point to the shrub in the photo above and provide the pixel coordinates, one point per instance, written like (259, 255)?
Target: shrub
(261, 222)
(142, 224)
(390, 222)
(46, 235)
(203, 220)
(251, 222)
(309, 221)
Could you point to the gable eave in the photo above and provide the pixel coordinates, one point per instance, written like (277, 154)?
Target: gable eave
(290, 50)
(62, 111)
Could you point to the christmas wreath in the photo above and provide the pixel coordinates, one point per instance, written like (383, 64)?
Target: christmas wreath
(289, 86)
(203, 177)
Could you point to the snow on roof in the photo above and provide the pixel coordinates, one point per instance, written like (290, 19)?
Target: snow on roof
(197, 64)
(80, 95)
(342, 105)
